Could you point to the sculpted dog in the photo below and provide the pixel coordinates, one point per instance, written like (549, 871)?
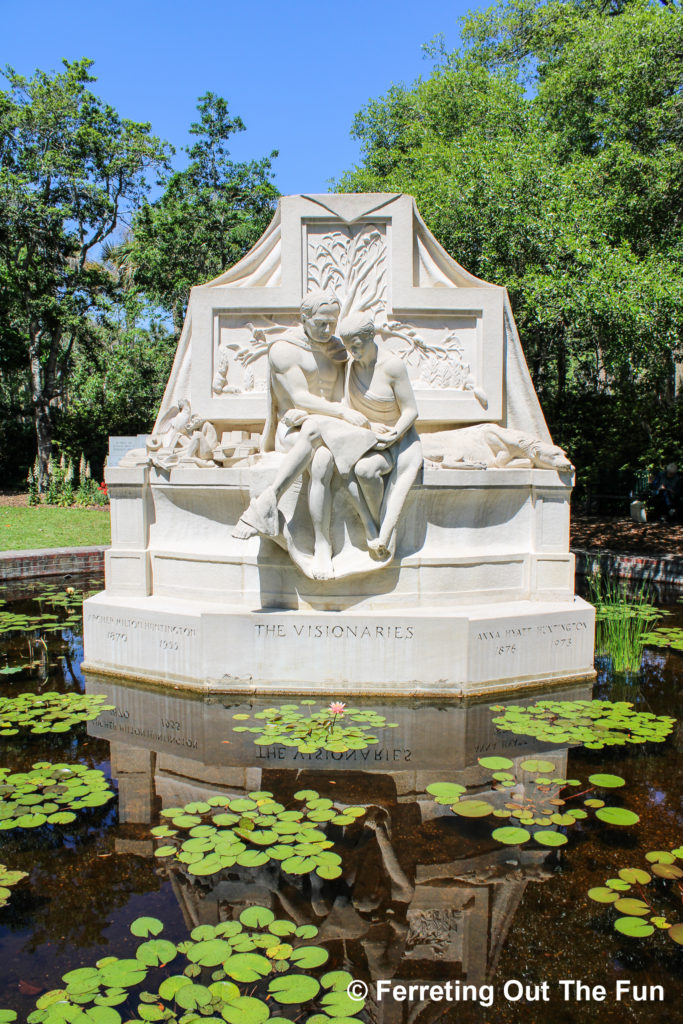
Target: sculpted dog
(488, 445)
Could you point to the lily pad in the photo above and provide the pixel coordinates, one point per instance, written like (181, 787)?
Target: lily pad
(550, 838)
(144, 926)
(660, 857)
(536, 765)
(8, 879)
(49, 712)
(246, 1010)
(601, 894)
(591, 723)
(606, 781)
(667, 871)
(294, 988)
(617, 816)
(634, 927)
(445, 792)
(252, 831)
(313, 729)
(472, 808)
(632, 907)
(47, 786)
(511, 836)
(635, 876)
(495, 763)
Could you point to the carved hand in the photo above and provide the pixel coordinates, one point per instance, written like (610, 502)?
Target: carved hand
(355, 417)
(294, 417)
(386, 440)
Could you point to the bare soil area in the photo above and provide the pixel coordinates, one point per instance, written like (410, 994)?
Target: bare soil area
(10, 499)
(621, 534)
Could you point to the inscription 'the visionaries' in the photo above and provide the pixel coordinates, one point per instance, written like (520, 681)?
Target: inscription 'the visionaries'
(281, 630)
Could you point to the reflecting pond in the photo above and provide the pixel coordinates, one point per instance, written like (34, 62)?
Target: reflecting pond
(414, 843)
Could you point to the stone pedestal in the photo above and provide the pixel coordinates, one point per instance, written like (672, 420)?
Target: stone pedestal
(480, 596)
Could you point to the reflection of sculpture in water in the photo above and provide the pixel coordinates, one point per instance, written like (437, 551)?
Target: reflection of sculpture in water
(377, 385)
(415, 896)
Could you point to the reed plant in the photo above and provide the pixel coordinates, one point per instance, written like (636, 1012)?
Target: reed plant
(623, 617)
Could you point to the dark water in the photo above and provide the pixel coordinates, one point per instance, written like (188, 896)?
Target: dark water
(424, 897)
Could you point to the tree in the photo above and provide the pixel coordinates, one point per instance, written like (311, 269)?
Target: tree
(207, 218)
(546, 156)
(115, 385)
(69, 166)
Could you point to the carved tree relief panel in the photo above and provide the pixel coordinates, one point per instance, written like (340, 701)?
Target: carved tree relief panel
(441, 352)
(240, 364)
(350, 260)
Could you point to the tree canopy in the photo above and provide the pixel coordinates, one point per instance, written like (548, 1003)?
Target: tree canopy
(546, 156)
(208, 216)
(84, 349)
(69, 165)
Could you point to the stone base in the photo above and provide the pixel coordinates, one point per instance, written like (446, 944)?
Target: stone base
(456, 651)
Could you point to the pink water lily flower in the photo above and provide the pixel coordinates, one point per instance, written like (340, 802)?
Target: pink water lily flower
(336, 708)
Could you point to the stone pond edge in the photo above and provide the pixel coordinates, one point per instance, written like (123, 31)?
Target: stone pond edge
(22, 565)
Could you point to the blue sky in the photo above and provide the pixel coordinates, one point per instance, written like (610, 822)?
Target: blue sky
(296, 74)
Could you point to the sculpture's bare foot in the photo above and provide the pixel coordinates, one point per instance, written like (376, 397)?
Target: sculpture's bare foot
(378, 550)
(243, 531)
(322, 563)
(260, 517)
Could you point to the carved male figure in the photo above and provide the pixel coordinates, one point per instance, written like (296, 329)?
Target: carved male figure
(306, 385)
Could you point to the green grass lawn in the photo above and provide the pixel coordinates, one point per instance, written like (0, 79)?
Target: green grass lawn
(50, 527)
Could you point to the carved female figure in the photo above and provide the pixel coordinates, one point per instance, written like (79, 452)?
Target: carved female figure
(377, 386)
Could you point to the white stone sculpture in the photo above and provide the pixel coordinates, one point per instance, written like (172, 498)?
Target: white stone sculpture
(183, 438)
(329, 414)
(313, 545)
(307, 420)
(378, 386)
(489, 444)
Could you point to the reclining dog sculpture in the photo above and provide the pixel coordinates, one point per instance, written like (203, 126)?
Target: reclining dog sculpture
(488, 445)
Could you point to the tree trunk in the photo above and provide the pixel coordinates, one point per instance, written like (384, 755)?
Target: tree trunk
(561, 366)
(42, 413)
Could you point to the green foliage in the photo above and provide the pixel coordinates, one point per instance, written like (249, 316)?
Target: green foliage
(671, 638)
(207, 218)
(656, 903)
(59, 488)
(33, 481)
(69, 167)
(48, 712)
(251, 831)
(115, 387)
(546, 157)
(7, 880)
(622, 620)
(592, 723)
(319, 729)
(259, 978)
(531, 801)
(49, 794)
